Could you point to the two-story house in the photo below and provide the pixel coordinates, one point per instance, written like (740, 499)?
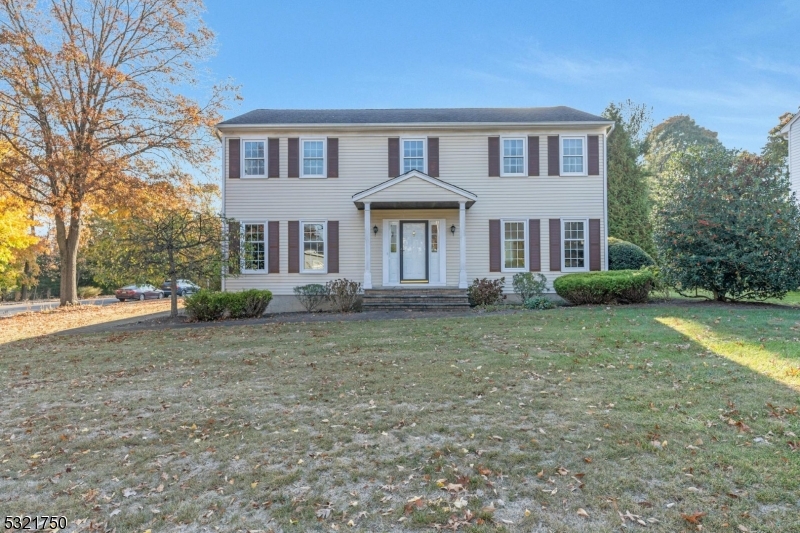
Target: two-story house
(413, 199)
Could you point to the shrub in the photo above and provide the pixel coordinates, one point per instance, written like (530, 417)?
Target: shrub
(89, 292)
(255, 302)
(624, 255)
(344, 294)
(538, 302)
(618, 286)
(529, 285)
(485, 292)
(311, 296)
(205, 305)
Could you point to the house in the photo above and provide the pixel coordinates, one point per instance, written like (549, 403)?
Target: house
(413, 201)
(791, 131)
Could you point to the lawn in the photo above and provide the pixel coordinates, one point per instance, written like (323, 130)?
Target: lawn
(670, 417)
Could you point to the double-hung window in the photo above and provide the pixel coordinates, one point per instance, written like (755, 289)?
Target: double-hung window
(254, 247)
(513, 157)
(514, 239)
(255, 158)
(313, 163)
(314, 239)
(573, 156)
(574, 245)
(413, 155)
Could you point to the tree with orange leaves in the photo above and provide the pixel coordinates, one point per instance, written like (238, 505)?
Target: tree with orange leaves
(90, 101)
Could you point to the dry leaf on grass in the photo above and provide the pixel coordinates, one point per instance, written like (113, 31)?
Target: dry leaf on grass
(693, 518)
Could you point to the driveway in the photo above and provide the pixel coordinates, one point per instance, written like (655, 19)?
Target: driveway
(13, 309)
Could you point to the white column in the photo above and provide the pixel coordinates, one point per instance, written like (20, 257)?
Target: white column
(462, 247)
(367, 246)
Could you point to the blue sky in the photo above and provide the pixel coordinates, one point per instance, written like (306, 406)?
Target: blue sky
(733, 66)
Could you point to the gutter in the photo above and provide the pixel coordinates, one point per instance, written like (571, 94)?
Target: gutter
(409, 125)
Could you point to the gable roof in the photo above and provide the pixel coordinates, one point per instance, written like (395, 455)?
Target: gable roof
(420, 200)
(509, 115)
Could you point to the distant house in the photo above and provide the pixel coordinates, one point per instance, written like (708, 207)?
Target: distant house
(791, 131)
(413, 200)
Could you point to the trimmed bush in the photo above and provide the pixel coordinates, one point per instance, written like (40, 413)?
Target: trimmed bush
(311, 296)
(624, 255)
(538, 302)
(619, 286)
(206, 306)
(485, 292)
(529, 285)
(345, 295)
(89, 292)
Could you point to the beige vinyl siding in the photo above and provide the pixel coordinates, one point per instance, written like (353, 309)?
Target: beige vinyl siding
(363, 163)
(414, 189)
(794, 157)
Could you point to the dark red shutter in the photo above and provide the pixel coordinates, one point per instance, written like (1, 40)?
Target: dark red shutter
(274, 157)
(552, 156)
(494, 157)
(293, 237)
(394, 157)
(274, 238)
(433, 156)
(593, 148)
(494, 246)
(333, 157)
(294, 158)
(535, 245)
(555, 244)
(234, 247)
(333, 247)
(533, 156)
(234, 158)
(594, 244)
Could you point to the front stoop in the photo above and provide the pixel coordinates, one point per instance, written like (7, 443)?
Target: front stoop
(415, 299)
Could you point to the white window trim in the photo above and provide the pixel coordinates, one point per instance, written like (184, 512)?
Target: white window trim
(561, 156)
(503, 244)
(324, 157)
(302, 248)
(524, 172)
(242, 224)
(586, 250)
(242, 172)
(424, 153)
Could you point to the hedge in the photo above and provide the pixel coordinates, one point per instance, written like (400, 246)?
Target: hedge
(618, 286)
(206, 306)
(624, 255)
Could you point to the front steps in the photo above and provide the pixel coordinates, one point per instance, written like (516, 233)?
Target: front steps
(415, 298)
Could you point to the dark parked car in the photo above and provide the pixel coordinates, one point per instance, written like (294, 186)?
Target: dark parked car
(138, 292)
(185, 288)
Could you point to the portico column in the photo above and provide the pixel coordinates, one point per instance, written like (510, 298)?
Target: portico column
(367, 246)
(462, 247)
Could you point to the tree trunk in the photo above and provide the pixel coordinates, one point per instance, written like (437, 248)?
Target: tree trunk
(26, 270)
(68, 238)
(173, 280)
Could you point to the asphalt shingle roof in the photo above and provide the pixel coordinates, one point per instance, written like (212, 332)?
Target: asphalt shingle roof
(411, 116)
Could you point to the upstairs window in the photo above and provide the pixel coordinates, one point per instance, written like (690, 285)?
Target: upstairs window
(255, 160)
(513, 157)
(255, 246)
(514, 245)
(573, 150)
(313, 158)
(413, 155)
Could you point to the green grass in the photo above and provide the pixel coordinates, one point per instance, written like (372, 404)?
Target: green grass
(658, 411)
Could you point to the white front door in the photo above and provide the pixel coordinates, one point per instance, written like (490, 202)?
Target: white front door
(414, 253)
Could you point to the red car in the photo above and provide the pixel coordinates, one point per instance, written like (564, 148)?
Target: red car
(138, 292)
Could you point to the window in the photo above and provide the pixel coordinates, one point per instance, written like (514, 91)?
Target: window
(434, 238)
(393, 238)
(313, 158)
(254, 247)
(513, 157)
(514, 237)
(572, 155)
(314, 236)
(413, 155)
(255, 161)
(574, 245)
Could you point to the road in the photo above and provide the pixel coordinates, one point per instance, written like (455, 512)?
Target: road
(13, 309)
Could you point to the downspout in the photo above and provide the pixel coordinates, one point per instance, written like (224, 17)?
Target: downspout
(605, 191)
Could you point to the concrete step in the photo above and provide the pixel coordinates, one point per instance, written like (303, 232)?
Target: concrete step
(415, 299)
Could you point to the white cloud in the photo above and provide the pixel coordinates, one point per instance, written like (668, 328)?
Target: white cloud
(571, 69)
(771, 65)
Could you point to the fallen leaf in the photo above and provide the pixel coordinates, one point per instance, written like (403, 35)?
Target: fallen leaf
(693, 518)
(582, 512)
(160, 488)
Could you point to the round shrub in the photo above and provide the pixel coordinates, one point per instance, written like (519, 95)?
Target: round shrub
(538, 302)
(205, 305)
(624, 255)
(619, 286)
